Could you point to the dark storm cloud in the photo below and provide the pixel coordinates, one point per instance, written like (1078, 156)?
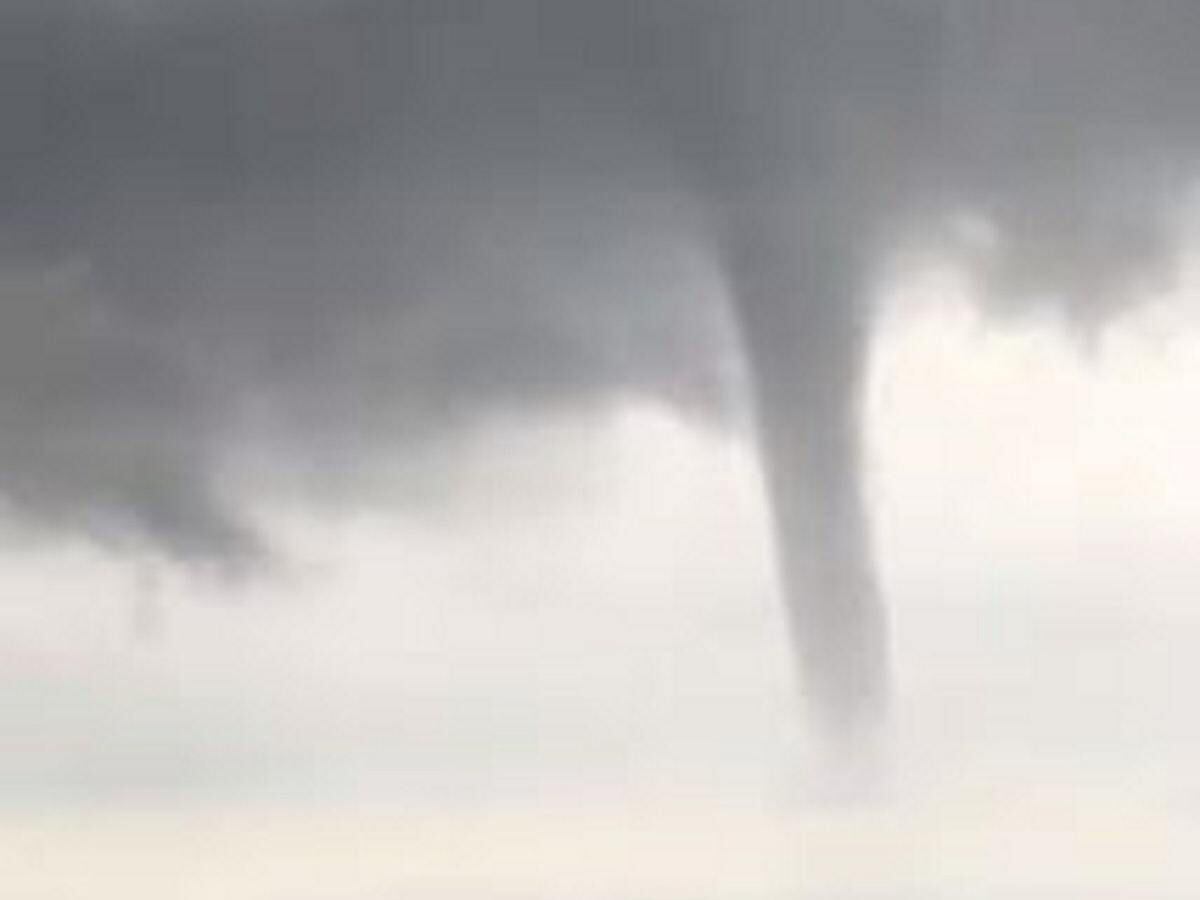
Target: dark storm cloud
(336, 228)
(349, 224)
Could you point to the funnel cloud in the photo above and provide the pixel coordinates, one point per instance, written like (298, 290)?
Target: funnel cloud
(326, 233)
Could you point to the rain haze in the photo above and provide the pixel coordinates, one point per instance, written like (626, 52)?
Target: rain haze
(607, 448)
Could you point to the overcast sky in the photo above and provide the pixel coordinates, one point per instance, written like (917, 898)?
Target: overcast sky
(435, 435)
(584, 675)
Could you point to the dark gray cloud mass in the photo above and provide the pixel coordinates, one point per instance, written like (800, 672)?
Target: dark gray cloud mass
(331, 230)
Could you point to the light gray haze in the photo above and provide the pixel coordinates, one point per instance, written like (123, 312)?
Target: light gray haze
(309, 237)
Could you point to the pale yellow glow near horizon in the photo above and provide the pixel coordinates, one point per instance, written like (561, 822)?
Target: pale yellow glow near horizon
(1048, 843)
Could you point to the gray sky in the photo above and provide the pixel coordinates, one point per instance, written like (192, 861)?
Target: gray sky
(537, 369)
(306, 239)
(596, 682)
